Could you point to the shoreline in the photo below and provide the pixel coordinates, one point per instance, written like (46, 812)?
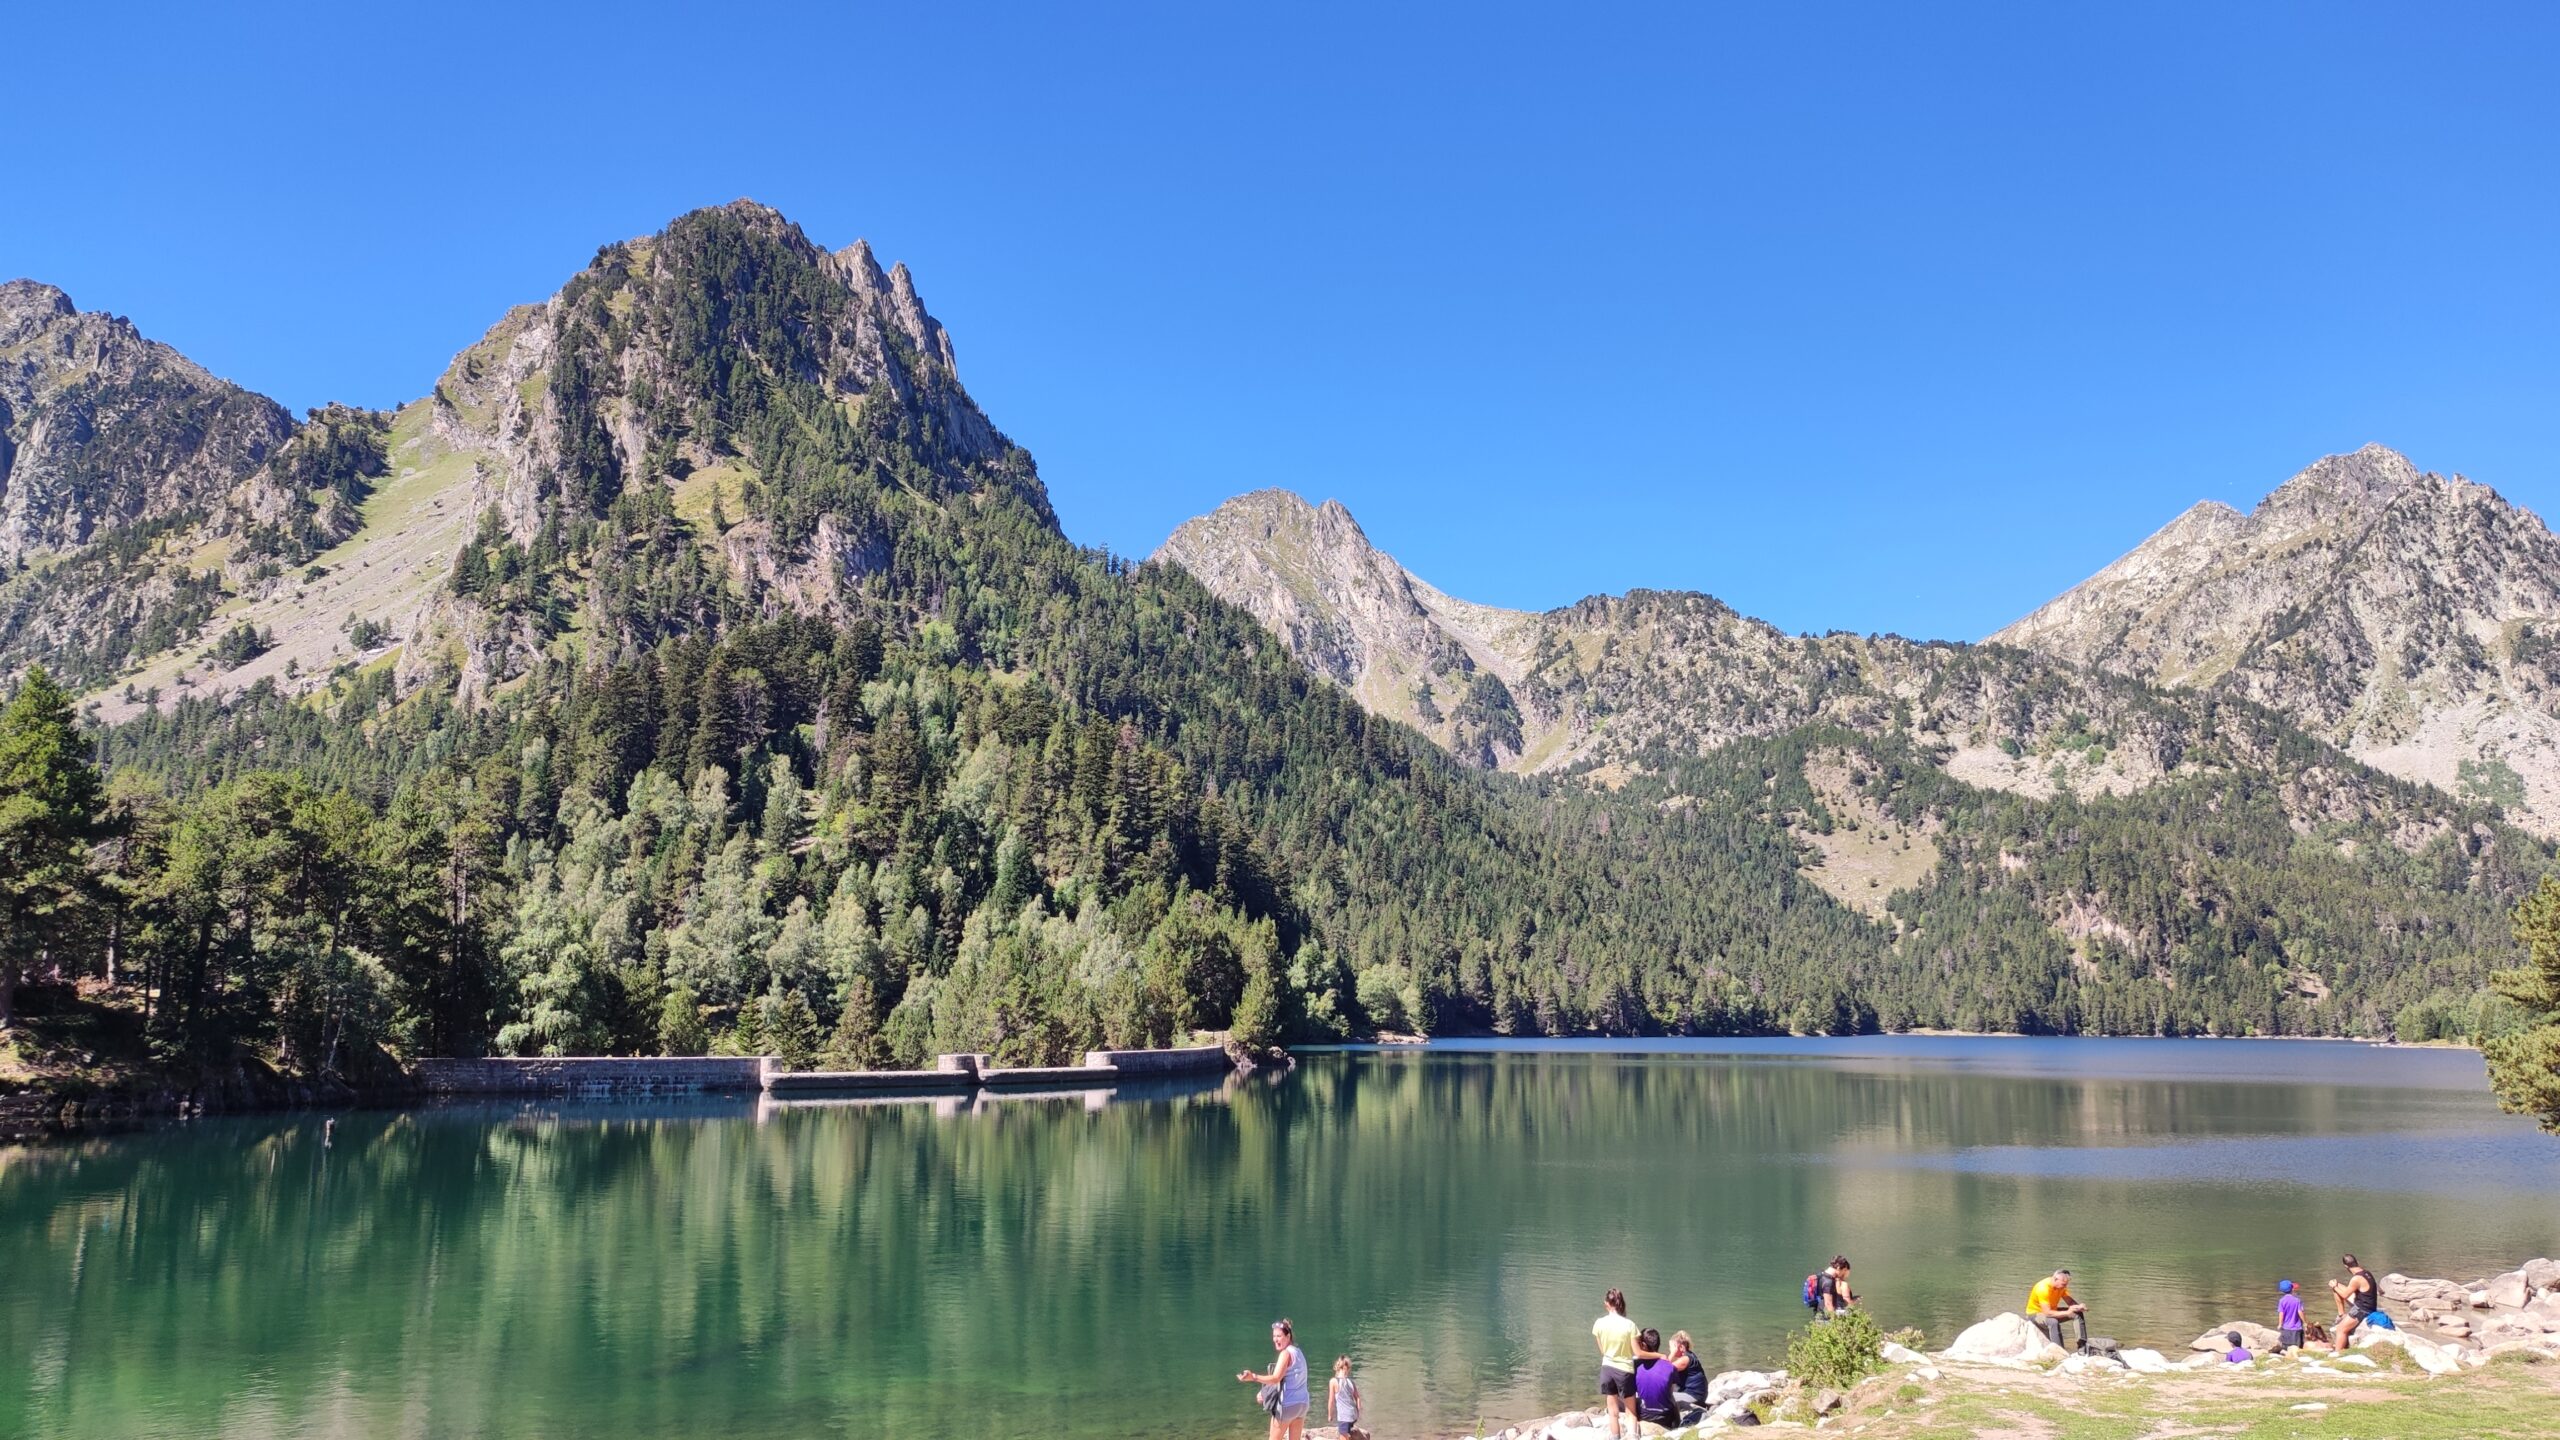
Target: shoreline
(106, 1099)
(2452, 1331)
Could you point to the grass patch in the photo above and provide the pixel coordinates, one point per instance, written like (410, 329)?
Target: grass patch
(693, 495)
(2496, 1403)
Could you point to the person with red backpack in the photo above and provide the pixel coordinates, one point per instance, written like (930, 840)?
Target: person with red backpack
(1827, 1292)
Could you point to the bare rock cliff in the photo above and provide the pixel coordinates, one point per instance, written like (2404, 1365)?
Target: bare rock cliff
(2404, 616)
(101, 428)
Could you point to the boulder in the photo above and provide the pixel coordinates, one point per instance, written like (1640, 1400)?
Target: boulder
(2433, 1294)
(2541, 1274)
(1737, 1384)
(2092, 1365)
(2252, 1334)
(1826, 1401)
(2433, 1358)
(1736, 1411)
(2545, 1349)
(1899, 1354)
(2145, 1362)
(2508, 1291)
(2009, 1341)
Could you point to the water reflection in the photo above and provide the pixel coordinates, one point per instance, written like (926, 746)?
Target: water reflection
(1026, 1265)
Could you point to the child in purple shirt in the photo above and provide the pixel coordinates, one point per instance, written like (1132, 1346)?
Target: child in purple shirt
(2288, 1317)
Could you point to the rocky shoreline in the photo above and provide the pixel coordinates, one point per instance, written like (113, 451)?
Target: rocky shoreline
(2446, 1329)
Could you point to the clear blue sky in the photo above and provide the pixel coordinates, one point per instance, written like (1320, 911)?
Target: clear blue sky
(1869, 317)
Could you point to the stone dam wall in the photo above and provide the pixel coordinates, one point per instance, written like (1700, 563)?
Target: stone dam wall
(581, 1075)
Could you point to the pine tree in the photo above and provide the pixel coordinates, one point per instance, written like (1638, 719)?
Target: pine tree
(2524, 1064)
(856, 1043)
(48, 805)
(680, 1028)
(790, 1028)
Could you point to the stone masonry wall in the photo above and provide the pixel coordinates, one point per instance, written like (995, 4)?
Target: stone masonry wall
(588, 1076)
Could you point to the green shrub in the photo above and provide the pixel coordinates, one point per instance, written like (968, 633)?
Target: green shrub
(1837, 1353)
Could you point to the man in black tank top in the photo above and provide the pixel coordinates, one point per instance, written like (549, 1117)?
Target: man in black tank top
(2358, 1297)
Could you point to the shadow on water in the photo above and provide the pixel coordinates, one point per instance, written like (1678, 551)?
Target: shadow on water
(1066, 1265)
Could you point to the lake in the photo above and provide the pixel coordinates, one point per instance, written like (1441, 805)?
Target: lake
(1077, 1268)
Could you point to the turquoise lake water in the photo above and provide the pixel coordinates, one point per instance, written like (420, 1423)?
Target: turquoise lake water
(1080, 1267)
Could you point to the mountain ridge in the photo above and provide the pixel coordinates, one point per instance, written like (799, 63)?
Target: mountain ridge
(2400, 614)
(750, 655)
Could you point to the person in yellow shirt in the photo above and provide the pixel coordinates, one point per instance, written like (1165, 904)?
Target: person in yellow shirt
(1616, 1335)
(2051, 1303)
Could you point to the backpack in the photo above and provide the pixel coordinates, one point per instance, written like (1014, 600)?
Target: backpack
(1813, 1291)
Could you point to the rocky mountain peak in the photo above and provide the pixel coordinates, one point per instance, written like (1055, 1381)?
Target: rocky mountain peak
(100, 426)
(2397, 614)
(2362, 481)
(26, 304)
(1309, 574)
(644, 365)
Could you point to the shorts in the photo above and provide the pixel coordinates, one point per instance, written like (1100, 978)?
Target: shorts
(1289, 1413)
(2288, 1339)
(1614, 1381)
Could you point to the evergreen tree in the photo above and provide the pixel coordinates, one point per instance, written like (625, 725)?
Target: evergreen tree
(680, 1027)
(2524, 1064)
(790, 1028)
(856, 1044)
(48, 805)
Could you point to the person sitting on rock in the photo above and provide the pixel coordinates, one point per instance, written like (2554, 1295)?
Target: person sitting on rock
(2051, 1303)
(1689, 1375)
(2288, 1318)
(2239, 1353)
(1657, 1380)
(2359, 1295)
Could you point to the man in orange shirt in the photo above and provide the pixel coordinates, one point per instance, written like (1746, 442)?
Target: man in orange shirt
(2050, 1303)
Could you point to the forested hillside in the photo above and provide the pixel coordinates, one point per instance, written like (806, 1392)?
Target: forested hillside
(2046, 845)
(761, 704)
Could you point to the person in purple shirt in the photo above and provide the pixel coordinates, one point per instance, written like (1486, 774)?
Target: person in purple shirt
(1655, 1378)
(2239, 1354)
(2288, 1318)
